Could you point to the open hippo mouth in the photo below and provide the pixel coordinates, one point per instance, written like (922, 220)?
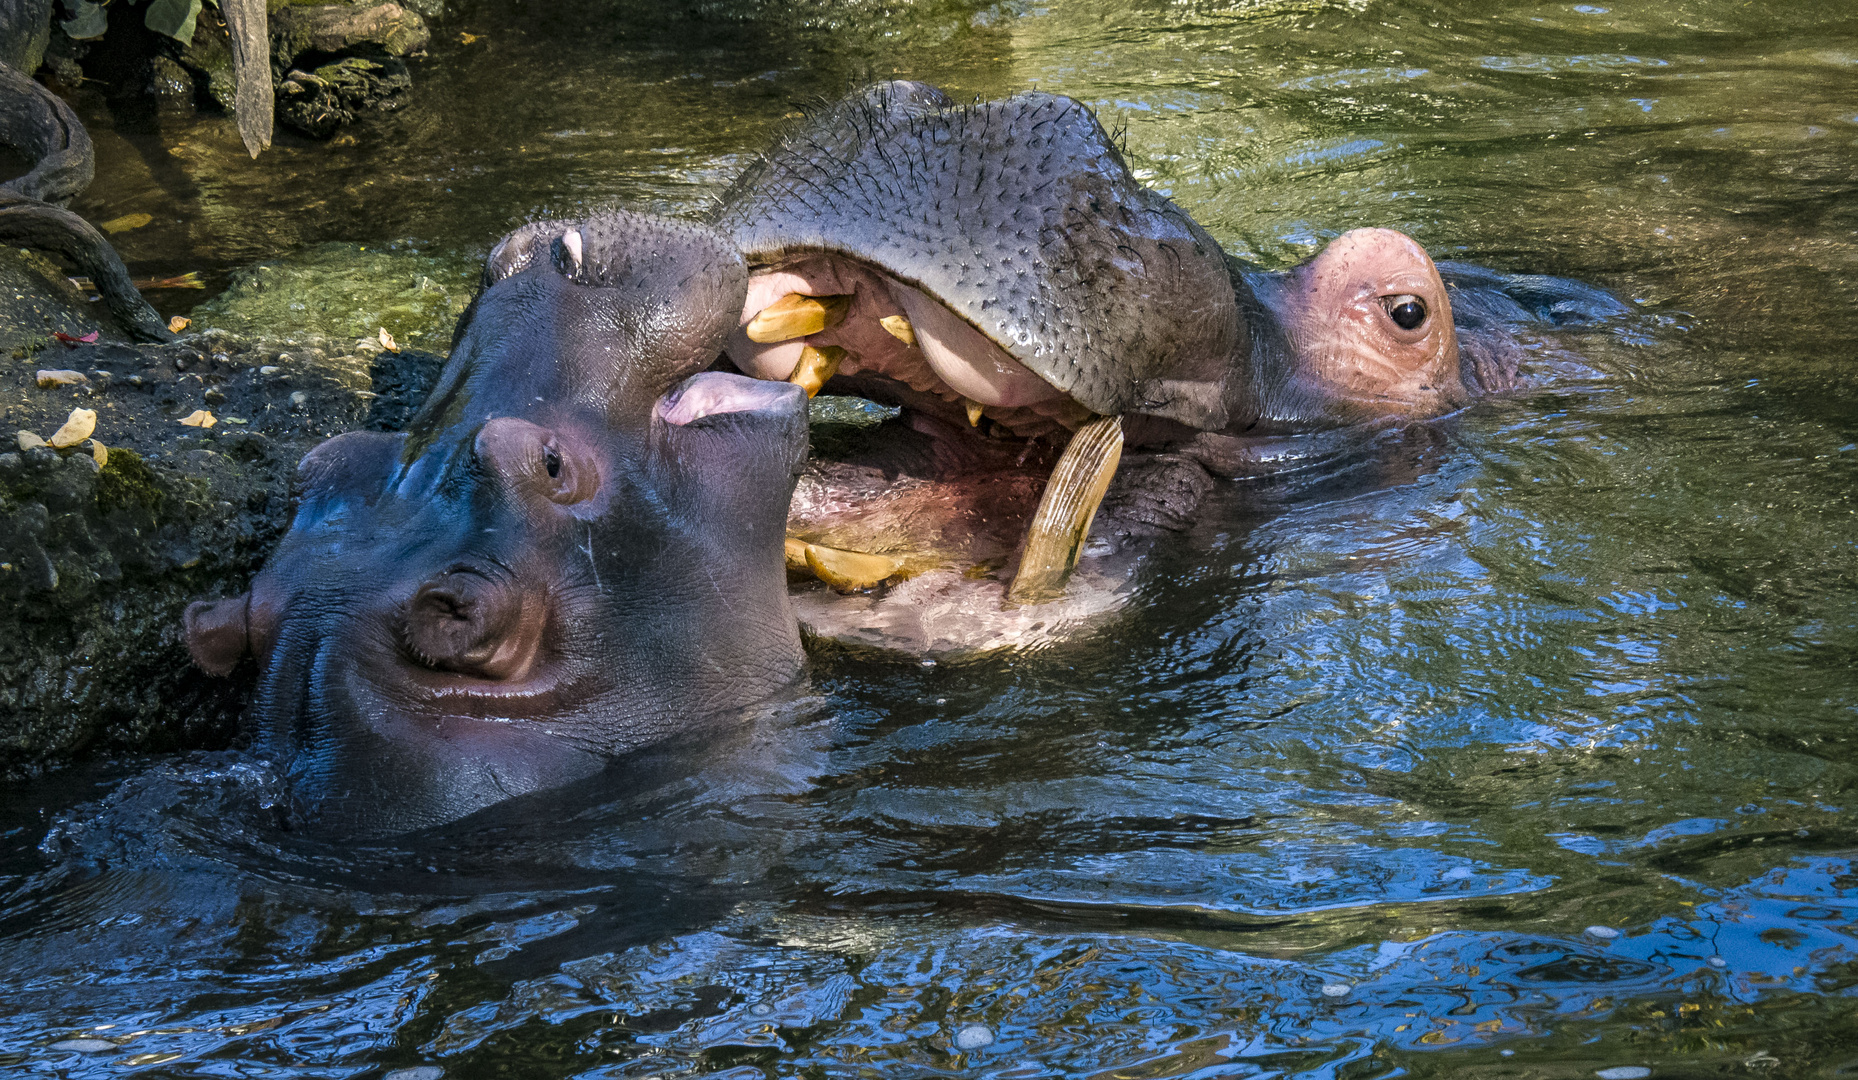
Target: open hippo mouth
(994, 268)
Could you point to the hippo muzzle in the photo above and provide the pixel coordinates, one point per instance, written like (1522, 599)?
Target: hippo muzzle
(574, 550)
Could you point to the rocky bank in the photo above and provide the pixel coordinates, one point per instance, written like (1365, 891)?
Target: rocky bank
(101, 550)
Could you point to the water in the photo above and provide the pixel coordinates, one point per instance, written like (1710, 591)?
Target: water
(1522, 748)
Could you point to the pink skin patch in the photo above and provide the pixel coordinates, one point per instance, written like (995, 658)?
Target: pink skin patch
(1344, 326)
(951, 358)
(715, 393)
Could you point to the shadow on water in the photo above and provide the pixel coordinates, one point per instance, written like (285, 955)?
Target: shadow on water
(1516, 744)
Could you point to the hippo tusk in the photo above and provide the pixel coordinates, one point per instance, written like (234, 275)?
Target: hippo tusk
(797, 315)
(837, 567)
(815, 367)
(899, 327)
(974, 411)
(1070, 502)
(571, 243)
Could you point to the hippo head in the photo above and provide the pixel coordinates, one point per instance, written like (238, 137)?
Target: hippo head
(1360, 332)
(573, 551)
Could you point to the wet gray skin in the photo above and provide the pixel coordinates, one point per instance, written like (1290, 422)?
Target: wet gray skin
(1042, 285)
(573, 552)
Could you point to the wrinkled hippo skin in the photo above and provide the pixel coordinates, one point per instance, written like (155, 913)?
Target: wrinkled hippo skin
(573, 551)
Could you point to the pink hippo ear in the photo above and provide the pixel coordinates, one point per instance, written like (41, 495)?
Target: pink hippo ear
(217, 633)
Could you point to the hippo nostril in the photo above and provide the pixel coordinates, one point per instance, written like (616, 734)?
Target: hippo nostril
(551, 460)
(463, 622)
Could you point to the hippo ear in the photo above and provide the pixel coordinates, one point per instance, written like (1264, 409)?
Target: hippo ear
(515, 252)
(217, 633)
(352, 463)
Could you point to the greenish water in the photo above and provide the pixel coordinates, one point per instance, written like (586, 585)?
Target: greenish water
(1520, 747)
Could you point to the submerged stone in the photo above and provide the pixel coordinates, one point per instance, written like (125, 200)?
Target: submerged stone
(347, 291)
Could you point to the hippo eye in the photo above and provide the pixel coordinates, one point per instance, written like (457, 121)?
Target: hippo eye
(551, 460)
(1407, 311)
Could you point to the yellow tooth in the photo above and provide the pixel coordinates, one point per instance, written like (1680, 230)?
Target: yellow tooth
(795, 316)
(974, 411)
(794, 550)
(846, 570)
(1070, 502)
(899, 328)
(815, 367)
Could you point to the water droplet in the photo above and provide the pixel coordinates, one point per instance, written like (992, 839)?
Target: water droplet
(1718, 962)
(85, 1046)
(927, 662)
(1624, 1072)
(941, 701)
(1604, 933)
(1336, 989)
(1507, 1053)
(417, 1072)
(973, 1037)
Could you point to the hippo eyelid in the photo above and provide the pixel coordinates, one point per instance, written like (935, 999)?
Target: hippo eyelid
(1407, 310)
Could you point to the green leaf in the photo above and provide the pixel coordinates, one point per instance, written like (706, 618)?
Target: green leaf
(174, 18)
(89, 21)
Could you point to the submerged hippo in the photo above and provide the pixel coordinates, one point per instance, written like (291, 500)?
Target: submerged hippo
(995, 268)
(573, 551)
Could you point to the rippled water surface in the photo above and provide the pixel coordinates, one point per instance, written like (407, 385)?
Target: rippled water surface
(1521, 746)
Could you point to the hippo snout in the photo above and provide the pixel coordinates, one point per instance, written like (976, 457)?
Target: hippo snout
(466, 622)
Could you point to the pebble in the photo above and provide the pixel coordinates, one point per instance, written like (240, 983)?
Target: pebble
(760, 1008)
(973, 1037)
(298, 399)
(1624, 1072)
(1336, 989)
(85, 1046)
(417, 1072)
(1718, 962)
(1604, 933)
(269, 369)
(49, 378)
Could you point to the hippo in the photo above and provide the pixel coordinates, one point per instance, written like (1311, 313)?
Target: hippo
(575, 549)
(998, 272)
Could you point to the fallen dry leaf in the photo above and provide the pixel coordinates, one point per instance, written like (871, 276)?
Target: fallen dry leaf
(47, 378)
(387, 341)
(199, 418)
(76, 429)
(126, 222)
(29, 439)
(74, 342)
(178, 324)
(99, 453)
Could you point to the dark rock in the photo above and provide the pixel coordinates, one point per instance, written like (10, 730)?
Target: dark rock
(320, 101)
(343, 29)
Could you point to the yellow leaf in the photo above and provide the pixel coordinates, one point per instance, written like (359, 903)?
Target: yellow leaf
(126, 222)
(199, 418)
(76, 429)
(466, 39)
(29, 439)
(178, 324)
(387, 341)
(99, 453)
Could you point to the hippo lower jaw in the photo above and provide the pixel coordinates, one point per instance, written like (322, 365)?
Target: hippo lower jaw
(818, 318)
